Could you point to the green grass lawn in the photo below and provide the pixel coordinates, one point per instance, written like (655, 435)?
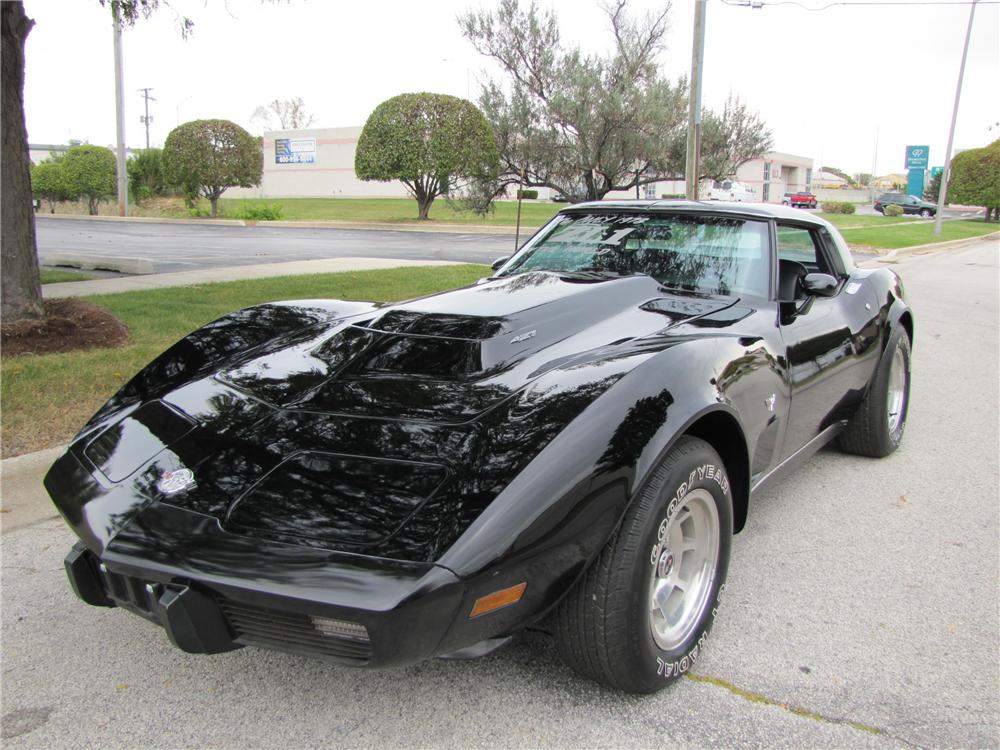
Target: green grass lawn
(57, 275)
(47, 398)
(860, 220)
(394, 210)
(907, 235)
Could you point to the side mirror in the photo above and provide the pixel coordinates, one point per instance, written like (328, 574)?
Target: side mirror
(498, 263)
(820, 284)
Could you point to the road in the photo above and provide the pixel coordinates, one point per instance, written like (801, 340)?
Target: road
(860, 611)
(185, 247)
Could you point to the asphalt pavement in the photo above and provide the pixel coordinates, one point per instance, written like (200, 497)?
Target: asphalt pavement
(183, 247)
(860, 611)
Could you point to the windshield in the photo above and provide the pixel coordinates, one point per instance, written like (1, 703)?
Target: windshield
(711, 255)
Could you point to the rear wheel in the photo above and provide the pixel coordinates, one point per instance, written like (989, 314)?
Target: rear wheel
(876, 429)
(925, 212)
(640, 617)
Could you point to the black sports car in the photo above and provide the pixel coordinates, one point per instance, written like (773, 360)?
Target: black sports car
(570, 443)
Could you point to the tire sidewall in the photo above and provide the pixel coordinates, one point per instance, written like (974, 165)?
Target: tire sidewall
(898, 338)
(699, 469)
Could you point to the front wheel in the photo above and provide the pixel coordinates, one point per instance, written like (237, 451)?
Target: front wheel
(640, 616)
(876, 429)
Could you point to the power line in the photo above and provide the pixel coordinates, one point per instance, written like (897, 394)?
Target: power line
(757, 4)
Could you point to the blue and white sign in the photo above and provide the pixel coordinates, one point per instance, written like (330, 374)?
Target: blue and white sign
(917, 157)
(295, 151)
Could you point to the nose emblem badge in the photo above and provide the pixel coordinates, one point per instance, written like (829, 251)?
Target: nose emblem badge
(176, 481)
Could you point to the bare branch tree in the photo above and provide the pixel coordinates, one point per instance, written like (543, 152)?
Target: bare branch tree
(283, 114)
(585, 125)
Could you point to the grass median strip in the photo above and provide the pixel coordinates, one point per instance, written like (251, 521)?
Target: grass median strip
(55, 276)
(920, 233)
(47, 398)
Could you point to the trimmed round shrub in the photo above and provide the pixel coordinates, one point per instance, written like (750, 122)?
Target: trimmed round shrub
(838, 207)
(892, 210)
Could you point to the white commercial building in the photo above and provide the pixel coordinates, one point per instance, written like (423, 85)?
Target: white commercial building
(319, 162)
(314, 162)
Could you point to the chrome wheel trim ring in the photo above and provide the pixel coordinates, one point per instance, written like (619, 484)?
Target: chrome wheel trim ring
(683, 562)
(895, 398)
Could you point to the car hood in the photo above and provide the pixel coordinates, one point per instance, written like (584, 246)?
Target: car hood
(385, 431)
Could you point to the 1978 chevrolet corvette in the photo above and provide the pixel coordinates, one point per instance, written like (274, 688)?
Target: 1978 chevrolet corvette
(570, 443)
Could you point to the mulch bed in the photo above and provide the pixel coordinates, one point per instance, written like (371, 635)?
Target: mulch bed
(71, 324)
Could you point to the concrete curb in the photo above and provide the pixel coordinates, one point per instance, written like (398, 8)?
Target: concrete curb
(933, 246)
(24, 499)
(142, 219)
(439, 227)
(122, 264)
(229, 273)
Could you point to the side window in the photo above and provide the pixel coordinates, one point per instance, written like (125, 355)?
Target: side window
(802, 246)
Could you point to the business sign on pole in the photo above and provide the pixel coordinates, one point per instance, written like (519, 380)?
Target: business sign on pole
(917, 157)
(295, 151)
(937, 171)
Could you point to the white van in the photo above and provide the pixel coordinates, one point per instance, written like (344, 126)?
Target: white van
(730, 190)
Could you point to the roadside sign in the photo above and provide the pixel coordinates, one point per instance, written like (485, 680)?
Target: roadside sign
(917, 157)
(295, 151)
(937, 171)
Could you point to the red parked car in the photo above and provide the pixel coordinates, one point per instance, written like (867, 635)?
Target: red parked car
(799, 199)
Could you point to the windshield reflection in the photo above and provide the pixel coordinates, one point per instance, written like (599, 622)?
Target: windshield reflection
(710, 255)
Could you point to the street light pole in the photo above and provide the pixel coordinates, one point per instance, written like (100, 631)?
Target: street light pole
(120, 111)
(943, 192)
(694, 105)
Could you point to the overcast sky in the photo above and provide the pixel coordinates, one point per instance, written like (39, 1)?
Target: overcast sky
(825, 82)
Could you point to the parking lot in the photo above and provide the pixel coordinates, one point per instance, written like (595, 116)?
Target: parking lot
(860, 611)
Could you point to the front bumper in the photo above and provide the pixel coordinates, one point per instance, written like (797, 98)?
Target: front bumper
(213, 591)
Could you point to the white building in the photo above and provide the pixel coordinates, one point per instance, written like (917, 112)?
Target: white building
(776, 173)
(319, 162)
(314, 162)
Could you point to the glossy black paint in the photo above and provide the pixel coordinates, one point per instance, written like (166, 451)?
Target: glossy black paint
(389, 465)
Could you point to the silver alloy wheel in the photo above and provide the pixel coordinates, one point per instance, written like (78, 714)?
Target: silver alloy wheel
(684, 563)
(895, 399)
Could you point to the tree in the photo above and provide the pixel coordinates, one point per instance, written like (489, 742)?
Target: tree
(48, 182)
(863, 179)
(283, 114)
(91, 173)
(585, 125)
(731, 139)
(975, 179)
(21, 293)
(145, 174)
(933, 189)
(432, 143)
(208, 156)
(840, 173)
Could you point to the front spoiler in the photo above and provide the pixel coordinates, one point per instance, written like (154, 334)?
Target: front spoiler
(213, 591)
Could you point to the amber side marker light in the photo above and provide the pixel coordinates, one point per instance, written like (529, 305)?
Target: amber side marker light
(498, 600)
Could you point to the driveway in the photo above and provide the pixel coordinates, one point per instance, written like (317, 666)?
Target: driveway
(860, 611)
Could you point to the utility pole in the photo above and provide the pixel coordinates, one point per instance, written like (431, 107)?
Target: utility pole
(146, 119)
(943, 193)
(120, 111)
(694, 111)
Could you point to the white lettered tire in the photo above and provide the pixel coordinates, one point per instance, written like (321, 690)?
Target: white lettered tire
(640, 617)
